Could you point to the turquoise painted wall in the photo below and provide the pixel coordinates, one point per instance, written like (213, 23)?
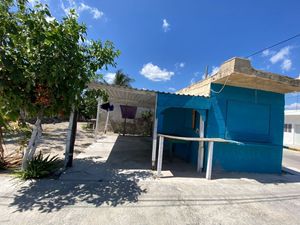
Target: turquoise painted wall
(174, 113)
(252, 117)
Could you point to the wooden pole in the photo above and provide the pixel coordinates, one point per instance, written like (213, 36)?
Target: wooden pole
(209, 159)
(71, 138)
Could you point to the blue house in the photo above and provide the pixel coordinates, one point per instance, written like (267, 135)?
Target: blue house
(239, 104)
(230, 121)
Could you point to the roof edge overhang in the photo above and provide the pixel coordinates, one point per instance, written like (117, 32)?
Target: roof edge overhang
(238, 72)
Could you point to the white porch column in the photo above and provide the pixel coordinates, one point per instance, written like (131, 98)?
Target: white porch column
(160, 155)
(154, 143)
(98, 116)
(106, 122)
(201, 146)
(154, 136)
(209, 159)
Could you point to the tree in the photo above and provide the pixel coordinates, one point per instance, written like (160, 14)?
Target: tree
(88, 103)
(122, 79)
(7, 113)
(45, 64)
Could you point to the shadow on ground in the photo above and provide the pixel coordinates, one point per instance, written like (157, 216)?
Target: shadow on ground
(109, 176)
(117, 188)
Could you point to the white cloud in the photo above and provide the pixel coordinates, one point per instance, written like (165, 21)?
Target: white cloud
(92, 10)
(171, 89)
(96, 13)
(33, 2)
(86, 42)
(298, 77)
(267, 52)
(193, 80)
(154, 73)
(179, 65)
(196, 74)
(165, 25)
(293, 106)
(281, 55)
(286, 65)
(50, 19)
(215, 69)
(109, 77)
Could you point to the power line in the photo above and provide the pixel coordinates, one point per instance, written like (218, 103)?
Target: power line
(255, 53)
(274, 45)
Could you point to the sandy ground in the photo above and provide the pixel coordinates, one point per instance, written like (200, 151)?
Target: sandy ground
(54, 137)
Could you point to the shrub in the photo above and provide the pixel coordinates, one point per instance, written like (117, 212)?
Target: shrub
(39, 167)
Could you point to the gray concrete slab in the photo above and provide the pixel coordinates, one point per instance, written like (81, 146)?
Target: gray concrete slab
(112, 184)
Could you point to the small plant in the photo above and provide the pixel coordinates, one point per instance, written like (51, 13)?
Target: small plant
(11, 161)
(39, 167)
(147, 117)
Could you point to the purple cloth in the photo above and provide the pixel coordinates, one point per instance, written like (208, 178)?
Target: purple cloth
(128, 112)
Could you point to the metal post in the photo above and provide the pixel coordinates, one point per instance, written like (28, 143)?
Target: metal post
(154, 143)
(160, 155)
(201, 146)
(106, 122)
(124, 127)
(98, 116)
(154, 135)
(209, 159)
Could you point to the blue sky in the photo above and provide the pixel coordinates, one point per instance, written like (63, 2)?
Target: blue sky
(166, 45)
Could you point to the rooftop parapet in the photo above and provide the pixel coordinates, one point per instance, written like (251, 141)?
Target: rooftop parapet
(238, 72)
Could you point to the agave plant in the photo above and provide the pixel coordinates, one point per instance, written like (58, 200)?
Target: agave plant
(39, 167)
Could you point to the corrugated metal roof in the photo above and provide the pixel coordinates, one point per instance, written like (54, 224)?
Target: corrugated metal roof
(103, 85)
(130, 96)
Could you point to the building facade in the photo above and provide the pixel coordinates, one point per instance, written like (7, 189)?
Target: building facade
(292, 128)
(239, 105)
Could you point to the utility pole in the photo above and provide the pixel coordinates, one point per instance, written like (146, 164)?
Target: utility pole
(206, 72)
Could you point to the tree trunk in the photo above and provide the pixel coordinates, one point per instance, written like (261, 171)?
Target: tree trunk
(22, 118)
(33, 142)
(1, 145)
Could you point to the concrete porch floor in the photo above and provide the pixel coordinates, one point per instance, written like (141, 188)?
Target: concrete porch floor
(123, 154)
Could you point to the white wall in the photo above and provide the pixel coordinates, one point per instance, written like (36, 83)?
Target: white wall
(291, 117)
(116, 120)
